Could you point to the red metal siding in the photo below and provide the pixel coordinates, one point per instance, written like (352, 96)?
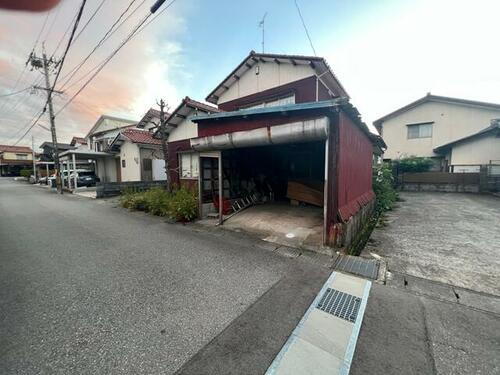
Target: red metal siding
(304, 90)
(173, 158)
(354, 168)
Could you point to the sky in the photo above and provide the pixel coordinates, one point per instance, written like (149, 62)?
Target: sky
(386, 53)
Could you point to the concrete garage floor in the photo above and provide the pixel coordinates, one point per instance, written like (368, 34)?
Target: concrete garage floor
(281, 223)
(448, 238)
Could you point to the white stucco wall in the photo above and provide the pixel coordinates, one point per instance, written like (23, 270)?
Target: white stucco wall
(131, 154)
(106, 169)
(270, 75)
(476, 151)
(451, 122)
(185, 130)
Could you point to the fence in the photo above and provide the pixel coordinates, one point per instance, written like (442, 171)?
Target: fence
(109, 189)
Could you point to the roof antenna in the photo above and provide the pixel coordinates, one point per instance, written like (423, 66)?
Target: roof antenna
(262, 24)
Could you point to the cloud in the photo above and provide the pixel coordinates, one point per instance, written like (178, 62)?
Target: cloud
(142, 71)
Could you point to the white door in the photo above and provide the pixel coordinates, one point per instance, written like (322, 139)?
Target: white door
(159, 170)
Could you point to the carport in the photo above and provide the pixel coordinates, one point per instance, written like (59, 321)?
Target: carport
(300, 155)
(71, 158)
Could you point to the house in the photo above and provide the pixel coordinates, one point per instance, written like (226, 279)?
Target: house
(140, 156)
(183, 161)
(150, 120)
(15, 158)
(78, 141)
(284, 132)
(47, 154)
(481, 148)
(105, 130)
(430, 126)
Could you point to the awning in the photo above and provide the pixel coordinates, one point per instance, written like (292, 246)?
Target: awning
(85, 154)
(294, 132)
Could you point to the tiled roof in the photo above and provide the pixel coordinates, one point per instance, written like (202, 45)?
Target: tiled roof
(141, 136)
(79, 140)
(199, 105)
(7, 148)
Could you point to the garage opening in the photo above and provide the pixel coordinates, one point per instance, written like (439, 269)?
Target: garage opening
(286, 182)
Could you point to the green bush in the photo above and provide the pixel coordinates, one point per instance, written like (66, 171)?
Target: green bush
(26, 172)
(183, 205)
(383, 187)
(414, 164)
(180, 205)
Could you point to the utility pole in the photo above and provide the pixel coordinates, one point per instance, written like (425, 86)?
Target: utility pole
(33, 156)
(45, 64)
(163, 132)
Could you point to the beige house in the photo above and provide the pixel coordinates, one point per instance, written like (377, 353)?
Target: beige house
(451, 131)
(14, 158)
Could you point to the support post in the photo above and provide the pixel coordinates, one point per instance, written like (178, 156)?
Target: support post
(164, 146)
(74, 173)
(33, 157)
(221, 182)
(325, 193)
(47, 173)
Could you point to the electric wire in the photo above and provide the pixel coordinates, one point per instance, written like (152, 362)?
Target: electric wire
(305, 27)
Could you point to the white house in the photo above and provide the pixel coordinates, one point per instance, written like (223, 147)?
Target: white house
(432, 127)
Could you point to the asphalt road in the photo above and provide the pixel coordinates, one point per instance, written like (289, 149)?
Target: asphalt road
(89, 288)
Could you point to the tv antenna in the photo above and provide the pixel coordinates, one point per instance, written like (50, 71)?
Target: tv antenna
(262, 24)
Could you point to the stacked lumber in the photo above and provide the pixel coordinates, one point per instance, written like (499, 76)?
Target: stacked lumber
(306, 191)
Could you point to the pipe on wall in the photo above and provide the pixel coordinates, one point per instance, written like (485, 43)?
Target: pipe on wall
(295, 132)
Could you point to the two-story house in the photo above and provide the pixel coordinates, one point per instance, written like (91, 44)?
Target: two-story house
(284, 131)
(458, 134)
(14, 158)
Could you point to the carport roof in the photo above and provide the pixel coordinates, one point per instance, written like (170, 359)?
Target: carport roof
(86, 154)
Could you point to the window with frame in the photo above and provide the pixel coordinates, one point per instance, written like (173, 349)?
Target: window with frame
(189, 165)
(420, 130)
(21, 157)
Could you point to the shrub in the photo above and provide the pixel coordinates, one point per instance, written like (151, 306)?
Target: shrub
(414, 164)
(183, 205)
(383, 187)
(180, 205)
(26, 172)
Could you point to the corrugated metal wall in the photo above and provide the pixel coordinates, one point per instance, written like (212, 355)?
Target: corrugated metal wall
(354, 168)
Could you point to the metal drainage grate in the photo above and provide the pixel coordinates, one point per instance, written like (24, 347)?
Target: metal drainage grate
(340, 304)
(359, 266)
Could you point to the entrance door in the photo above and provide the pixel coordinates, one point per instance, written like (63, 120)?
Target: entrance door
(147, 170)
(209, 168)
(118, 170)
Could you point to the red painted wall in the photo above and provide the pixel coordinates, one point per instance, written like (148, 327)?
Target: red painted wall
(173, 158)
(304, 90)
(354, 168)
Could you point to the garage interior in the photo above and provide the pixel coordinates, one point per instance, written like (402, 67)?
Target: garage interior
(287, 183)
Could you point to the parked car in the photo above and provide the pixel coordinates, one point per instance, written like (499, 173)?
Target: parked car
(85, 178)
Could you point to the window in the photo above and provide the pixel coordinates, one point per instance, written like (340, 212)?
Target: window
(189, 165)
(21, 157)
(124, 164)
(148, 165)
(274, 103)
(420, 130)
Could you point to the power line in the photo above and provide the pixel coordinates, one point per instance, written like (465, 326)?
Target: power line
(16, 92)
(305, 27)
(136, 30)
(106, 36)
(89, 20)
(51, 89)
(64, 35)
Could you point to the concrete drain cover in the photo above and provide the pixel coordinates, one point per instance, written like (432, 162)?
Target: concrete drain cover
(340, 304)
(358, 266)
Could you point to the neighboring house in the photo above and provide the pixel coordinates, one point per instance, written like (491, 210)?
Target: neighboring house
(428, 126)
(14, 158)
(282, 119)
(150, 120)
(480, 148)
(140, 156)
(47, 154)
(105, 130)
(183, 161)
(78, 142)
